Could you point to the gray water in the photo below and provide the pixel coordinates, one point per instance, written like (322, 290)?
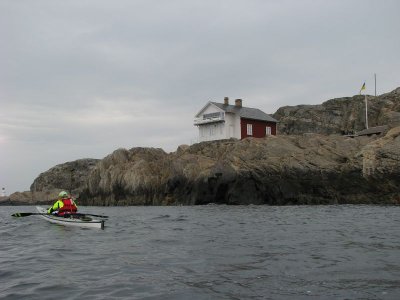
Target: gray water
(205, 252)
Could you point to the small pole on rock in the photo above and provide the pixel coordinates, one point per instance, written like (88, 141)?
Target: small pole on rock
(366, 111)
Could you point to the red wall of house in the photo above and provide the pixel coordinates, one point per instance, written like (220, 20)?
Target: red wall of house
(258, 128)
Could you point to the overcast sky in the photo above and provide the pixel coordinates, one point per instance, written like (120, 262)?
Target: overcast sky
(82, 78)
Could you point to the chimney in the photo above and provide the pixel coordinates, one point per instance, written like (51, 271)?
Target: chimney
(238, 102)
(226, 100)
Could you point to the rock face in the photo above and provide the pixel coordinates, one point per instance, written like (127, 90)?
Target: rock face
(69, 176)
(125, 175)
(341, 115)
(302, 169)
(381, 161)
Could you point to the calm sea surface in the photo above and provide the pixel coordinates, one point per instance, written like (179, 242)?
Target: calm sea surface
(205, 252)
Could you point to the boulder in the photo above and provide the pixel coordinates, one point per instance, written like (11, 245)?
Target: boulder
(69, 176)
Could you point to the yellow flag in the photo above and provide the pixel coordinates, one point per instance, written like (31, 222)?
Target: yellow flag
(363, 87)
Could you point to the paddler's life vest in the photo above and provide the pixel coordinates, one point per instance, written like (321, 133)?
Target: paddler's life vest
(68, 207)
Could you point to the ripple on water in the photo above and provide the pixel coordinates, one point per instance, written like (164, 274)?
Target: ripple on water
(213, 252)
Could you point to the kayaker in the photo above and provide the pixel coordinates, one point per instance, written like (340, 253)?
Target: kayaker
(64, 205)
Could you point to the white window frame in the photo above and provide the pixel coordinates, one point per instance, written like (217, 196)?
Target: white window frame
(268, 130)
(213, 129)
(249, 129)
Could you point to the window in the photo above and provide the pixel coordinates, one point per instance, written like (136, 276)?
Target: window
(268, 130)
(249, 129)
(212, 129)
(212, 115)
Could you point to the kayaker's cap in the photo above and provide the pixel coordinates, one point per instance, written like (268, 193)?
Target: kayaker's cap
(63, 194)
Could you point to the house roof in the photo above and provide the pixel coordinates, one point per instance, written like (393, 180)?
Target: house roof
(246, 112)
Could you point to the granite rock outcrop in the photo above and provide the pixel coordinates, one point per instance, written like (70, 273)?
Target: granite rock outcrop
(287, 169)
(340, 116)
(69, 176)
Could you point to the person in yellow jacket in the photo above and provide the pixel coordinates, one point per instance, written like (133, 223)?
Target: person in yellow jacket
(63, 205)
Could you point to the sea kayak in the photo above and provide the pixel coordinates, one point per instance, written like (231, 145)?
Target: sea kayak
(81, 220)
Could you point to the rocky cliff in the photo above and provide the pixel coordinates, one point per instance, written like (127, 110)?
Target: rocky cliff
(302, 169)
(69, 176)
(341, 115)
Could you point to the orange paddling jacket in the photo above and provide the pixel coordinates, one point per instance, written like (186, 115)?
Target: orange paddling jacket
(64, 206)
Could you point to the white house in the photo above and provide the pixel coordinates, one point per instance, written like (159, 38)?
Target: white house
(218, 121)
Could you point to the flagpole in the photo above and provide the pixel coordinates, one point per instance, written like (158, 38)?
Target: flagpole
(375, 83)
(366, 111)
(366, 105)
